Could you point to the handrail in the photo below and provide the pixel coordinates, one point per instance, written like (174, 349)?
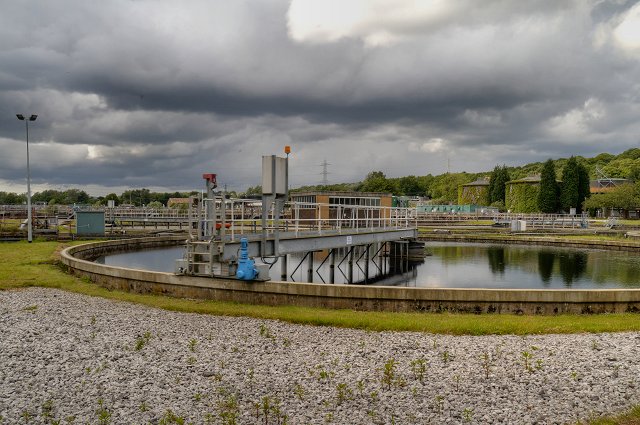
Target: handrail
(245, 218)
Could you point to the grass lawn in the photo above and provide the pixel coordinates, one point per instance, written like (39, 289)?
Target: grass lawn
(630, 418)
(36, 264)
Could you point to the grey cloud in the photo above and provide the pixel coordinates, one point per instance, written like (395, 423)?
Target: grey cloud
(155, 93)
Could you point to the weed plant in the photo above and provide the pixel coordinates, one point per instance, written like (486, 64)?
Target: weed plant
(419, 369)
(170, 418)
(103, 414)
(192, 345)
(526, 360)
(299, 391)
(389, 373)
(439, 404)
(487, 363)
(467, 414)
(229, 410)
(142, 341)
(343, 393)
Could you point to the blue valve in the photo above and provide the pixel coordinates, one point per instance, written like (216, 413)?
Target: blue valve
(246, 266)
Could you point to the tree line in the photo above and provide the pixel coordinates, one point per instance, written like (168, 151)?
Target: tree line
(134, 197)
(573, 174)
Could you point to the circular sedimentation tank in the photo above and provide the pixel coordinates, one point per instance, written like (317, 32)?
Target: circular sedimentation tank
(78, 260)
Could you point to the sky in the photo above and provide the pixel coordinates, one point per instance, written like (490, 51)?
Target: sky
(154, 93)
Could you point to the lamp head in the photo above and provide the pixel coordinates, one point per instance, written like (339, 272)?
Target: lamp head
(33, 117)
(20, 117)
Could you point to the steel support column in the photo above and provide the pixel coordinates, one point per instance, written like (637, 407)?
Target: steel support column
(310, 268)
(366, 263)
(332, 267)
(350, 267)
(283, 268)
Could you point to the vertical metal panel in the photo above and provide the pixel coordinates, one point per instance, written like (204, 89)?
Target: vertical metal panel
(274, 175)
(90, 223)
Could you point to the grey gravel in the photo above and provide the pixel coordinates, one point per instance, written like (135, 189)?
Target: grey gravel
(76, 359)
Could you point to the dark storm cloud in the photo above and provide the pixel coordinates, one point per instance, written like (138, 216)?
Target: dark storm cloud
(153, 93)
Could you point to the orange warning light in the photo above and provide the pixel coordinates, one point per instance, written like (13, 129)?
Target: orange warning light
(287, 150)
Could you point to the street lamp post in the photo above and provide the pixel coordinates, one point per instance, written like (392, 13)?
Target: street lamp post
(29, 224)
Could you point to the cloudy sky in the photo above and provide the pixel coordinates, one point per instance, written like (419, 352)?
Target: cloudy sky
(153, 93)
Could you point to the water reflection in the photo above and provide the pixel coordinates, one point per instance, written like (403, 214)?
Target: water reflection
(374, 267)
(545, 265)
(450, 265)
(513, 266)
(572, 267)
(496, 259)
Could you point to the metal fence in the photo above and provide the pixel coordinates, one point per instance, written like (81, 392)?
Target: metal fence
(534, 221)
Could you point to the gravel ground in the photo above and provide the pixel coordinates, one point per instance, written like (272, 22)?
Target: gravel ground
(77, 359)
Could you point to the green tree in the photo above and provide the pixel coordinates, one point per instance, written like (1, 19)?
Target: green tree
(253, 190)
(410, 186)
(443, 189)
(633, 153)
(634, 173)
(548, 195)
(137, 197)
(497, 184)
(112, 197)
(584, 186)
(376, 181)
(10, 198)
(569, 189)
(47, 196)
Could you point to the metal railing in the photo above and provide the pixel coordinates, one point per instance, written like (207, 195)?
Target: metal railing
(244, 217)
(545, 221)
(533, 220)
(146, 213)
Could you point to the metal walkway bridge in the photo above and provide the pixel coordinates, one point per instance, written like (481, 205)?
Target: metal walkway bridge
(296, 228)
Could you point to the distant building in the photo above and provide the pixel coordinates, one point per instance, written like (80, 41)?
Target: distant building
(606, 185)
(521, 195)
(325, 205)
(178, 202)
(476, 192)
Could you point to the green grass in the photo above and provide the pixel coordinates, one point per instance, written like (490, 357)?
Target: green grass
(10, 225)
(630, 418)
(35, 264)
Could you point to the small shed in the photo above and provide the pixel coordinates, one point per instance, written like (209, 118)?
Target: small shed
(90, 223)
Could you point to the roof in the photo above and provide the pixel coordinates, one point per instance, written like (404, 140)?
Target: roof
(480, 182)
(345, 193)
(608, 182)
(528, 179)
(178, 201)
